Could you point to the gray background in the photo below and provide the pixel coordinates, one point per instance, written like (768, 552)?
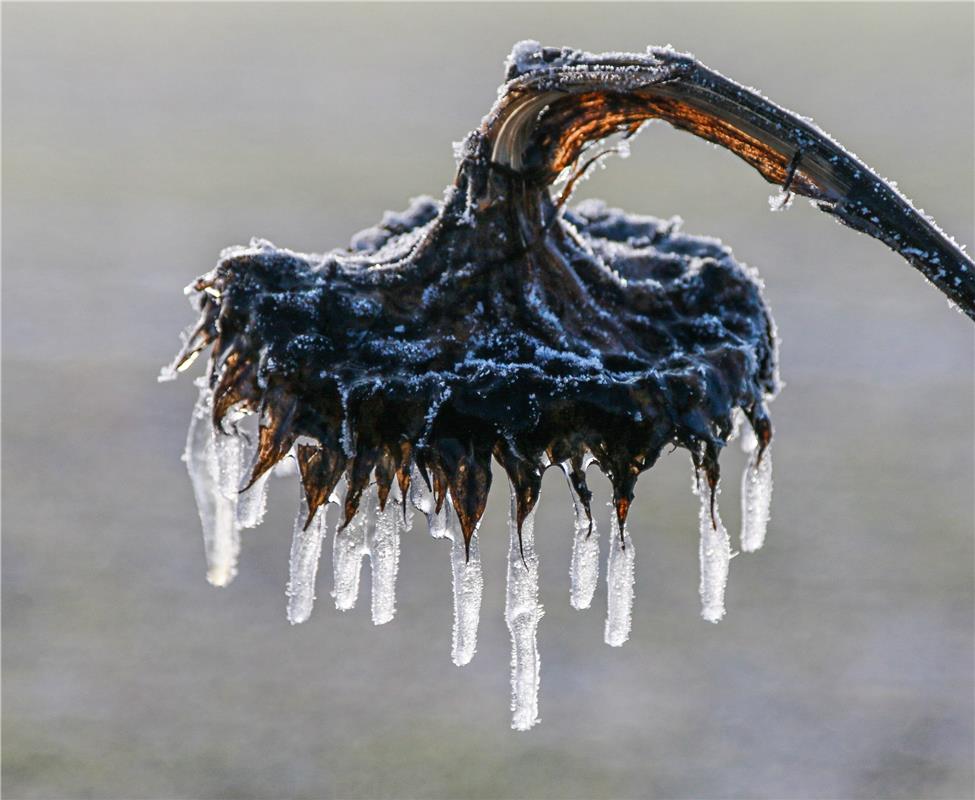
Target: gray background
(140, 139)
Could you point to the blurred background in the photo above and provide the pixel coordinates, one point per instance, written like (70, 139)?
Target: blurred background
(140, 139)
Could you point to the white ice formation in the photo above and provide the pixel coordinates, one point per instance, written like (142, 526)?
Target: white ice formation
(714, 551)
(349, 548)
(306, 550)
(219, 464)
(620, 582)
(522, 612)
(382, 547)
(756, 496)
(584, 569)
(213, 461)
(468, 588)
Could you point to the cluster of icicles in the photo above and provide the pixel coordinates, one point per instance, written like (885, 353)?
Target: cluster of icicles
(219, 463)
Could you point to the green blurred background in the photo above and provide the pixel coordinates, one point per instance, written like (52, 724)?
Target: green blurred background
(139, 139)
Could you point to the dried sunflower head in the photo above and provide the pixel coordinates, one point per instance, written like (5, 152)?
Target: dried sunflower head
(498, 323)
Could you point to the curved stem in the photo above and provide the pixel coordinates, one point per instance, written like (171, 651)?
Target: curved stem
(559, 103)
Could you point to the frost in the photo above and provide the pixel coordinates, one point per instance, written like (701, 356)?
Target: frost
(584, 569)
(756, 500)
(348, 548)
(715, 553)
(306, 550)
(211, 468)
(522, 612)
(620, 581)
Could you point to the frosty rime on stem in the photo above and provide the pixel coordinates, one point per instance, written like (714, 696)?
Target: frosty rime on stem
(500, 324)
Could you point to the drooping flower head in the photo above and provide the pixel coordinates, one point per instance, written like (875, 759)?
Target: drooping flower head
(499, 324)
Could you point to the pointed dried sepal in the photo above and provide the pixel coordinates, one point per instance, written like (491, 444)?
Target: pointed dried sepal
(277, 433)
(469, 478)
(321, 469)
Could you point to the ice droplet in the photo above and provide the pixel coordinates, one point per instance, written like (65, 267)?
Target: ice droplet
(715, 553)
(468, 589)
(211, 467)
(620, 581)
(584, 569)
(382, 544)
(348, 549)
(522, 612)
(306, 551)
(756, 500)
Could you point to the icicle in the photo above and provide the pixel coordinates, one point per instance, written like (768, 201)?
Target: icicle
(620, 580)
(211, 468)
(287, 467)
(423, 500)
(715, 553)
(756, 500)
(382, 545)
(228, 450)
(349, 547)
(749, 441)
(252, 503)
(306, 551)
(584, 569)
(468, 588)
(522, 612)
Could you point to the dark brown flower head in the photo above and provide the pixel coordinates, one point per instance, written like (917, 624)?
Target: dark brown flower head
(499, 323)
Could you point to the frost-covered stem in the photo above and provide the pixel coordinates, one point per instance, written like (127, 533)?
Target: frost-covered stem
(584, 569)
(788, 150)
(468, 588)
(382, 544)
(214, 468)
(714, 551)
(756, 499)
(620, 582)
(522, 612)
(306, 551)
(348, 548)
